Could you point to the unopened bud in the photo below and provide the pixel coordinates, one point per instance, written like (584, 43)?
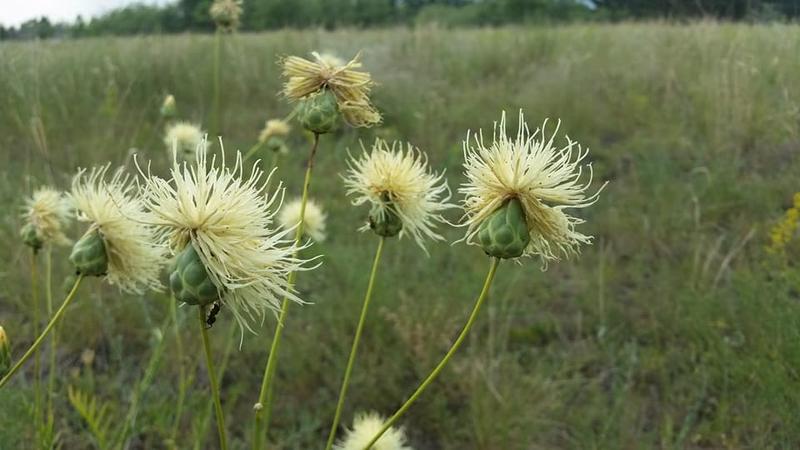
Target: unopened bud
(169, 109)
(189, 281)
(5, 353)
(31, 237)
(504, 234)
(89, 255)
(386, 222)
(319, 113)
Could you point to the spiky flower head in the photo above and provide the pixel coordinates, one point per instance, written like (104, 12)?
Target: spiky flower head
(226, 14)
(313, 221)
(405, 196)
(273, 135)
(305, 79)
(274, 127)
(185, 140)
(46, 213)
(169, 108)
(365, 427)
(219, 223)
(525, 181)
(117, 243)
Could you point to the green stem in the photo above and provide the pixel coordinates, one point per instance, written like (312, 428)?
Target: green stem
(181, 369)
(263, 407)
(40, 339)
(252, 151)
(354, 348)
(215, 108)
(473, 315)
(37, 369)
(51, 382)
(212, 378)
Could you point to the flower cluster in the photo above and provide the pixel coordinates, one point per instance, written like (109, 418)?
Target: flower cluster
(782, 233)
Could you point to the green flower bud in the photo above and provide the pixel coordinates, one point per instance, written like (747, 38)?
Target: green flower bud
(276, 145)
(89, 255)
(189, 281)
(30, 237)
(5, 353)
(319, 113)
(504, 234)
(389, 224)
(169, 108)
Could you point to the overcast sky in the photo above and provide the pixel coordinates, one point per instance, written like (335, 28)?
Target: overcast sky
(14, 12)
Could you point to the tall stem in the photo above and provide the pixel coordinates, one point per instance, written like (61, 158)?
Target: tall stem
(212, 379)
(263, 407)
(40, 339)
(215, 108)
(473, 315)
(354, 348)
(51, 382)
(37, 369)
(173, 309)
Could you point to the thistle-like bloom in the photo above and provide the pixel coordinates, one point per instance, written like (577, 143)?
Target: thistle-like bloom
(545, 180)
(226, 217)
(351, 87)
(226, 14)
(313, 221)
(186, 141)
(112, 211)
(45, 215)
(274, 128)
(365, 427)
(397, 182)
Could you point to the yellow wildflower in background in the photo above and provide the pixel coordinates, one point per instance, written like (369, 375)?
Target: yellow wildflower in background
(134, 260)
(274, 128)
(529, 171)
(395, 181)
(185, 141)
(782, 233)
(367, 425)
(313, 220)
(45, 215)
(350, 87)
(226, 14)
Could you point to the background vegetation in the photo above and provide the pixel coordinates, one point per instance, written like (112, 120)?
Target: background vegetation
(675, 329)
(192, 15)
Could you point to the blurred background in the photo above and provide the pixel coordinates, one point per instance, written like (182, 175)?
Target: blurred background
(678, 328)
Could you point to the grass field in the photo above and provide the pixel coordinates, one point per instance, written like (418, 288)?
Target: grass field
(676, 329)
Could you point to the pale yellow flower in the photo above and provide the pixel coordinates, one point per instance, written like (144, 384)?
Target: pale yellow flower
(351, 87)
(274, 127)
(313, 221)
(185, 141)
(226, 14)
(545, 179)
(111, 208)
(48, 211)
(227, 217)
(396, 179)
(365, 427)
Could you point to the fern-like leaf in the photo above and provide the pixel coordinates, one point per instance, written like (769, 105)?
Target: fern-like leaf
(96, 415)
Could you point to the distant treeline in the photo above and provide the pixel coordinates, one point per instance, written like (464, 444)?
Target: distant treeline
(192, 15)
